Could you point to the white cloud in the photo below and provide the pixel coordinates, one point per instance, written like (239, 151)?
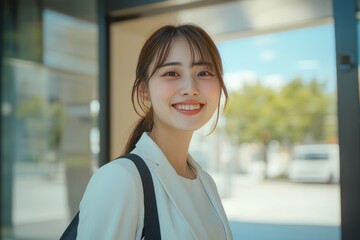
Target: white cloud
(236, 80)
(308, 64)
(274, 81)
(267, 55)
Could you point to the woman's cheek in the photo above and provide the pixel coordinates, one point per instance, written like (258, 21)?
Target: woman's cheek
(211, 88)
(168, 87)
(162, 88)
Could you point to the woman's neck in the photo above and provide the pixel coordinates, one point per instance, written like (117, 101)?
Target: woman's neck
(175, 145)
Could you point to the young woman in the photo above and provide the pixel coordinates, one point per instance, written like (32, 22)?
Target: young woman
(178, 88)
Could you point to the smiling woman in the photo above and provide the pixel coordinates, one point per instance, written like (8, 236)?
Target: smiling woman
(178, 87)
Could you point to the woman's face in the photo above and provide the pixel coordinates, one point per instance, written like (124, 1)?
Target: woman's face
(184, 96)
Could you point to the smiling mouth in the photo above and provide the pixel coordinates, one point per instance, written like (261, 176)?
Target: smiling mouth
(188, 107)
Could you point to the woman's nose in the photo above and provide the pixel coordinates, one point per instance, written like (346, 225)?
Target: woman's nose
(189, 88)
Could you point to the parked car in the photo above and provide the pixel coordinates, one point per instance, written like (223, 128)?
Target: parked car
(315, 163)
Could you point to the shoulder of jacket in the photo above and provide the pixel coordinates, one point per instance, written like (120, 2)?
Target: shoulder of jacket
(207, 177)
(117, 170)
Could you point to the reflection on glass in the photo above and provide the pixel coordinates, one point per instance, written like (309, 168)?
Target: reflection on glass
(278, 131)
(54, 127)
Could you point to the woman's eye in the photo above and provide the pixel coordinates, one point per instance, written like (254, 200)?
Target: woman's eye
(171, 74)
(205, 74)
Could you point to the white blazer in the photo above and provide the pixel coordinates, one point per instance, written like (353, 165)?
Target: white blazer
(112, 206)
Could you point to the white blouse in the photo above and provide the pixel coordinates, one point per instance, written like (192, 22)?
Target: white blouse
(206, 212)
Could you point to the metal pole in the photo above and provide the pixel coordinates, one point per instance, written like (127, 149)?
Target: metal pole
(348, 115)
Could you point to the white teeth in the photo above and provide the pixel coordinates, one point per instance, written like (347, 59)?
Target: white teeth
(188, 107)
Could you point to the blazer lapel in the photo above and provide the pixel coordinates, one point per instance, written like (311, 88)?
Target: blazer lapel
(214, 197)
(173, 186)
(181, 200)
(171, 183)
(175, 189)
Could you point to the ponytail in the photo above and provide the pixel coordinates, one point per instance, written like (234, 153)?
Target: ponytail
(144, 124)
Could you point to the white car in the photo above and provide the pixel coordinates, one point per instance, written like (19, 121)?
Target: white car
(315, 163)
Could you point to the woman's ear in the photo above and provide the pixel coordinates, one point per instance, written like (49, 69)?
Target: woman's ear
(144, 92)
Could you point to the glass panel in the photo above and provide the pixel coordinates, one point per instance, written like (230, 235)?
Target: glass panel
(282, 113)
(49, 119)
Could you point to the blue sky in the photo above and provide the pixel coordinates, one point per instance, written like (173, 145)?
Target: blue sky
(278, 57)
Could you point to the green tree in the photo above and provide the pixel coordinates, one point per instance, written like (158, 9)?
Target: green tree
(308, 106)
(294, 113)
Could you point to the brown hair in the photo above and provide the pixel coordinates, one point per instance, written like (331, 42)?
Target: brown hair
(155, 51)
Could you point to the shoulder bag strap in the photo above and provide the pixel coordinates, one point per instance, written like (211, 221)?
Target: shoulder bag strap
(70, 232)
(151, 219)
(151, 229)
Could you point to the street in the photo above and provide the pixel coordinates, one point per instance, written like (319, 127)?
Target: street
(280, 210)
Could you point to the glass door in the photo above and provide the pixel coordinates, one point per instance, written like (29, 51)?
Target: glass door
(279, 135)
(49, 113)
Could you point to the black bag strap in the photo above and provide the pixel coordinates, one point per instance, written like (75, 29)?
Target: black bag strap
(151, 229)
(151, 218)
(70, 232)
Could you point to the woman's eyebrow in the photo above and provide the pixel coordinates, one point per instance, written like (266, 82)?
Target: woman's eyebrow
(200, 63)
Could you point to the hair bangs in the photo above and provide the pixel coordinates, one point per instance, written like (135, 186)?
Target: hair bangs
(200, 52)
(162, 52)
